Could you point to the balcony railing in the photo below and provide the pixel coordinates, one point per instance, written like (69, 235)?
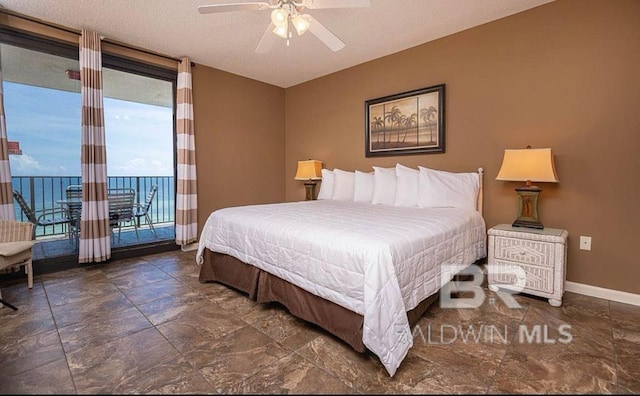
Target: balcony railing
(44, 192)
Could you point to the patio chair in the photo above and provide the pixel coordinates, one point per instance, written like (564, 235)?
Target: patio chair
(74, 209)
(121, 202)
(43, 217)
(16, 243)
(142, 210)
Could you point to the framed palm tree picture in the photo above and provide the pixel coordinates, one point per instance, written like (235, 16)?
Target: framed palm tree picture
(406, 123)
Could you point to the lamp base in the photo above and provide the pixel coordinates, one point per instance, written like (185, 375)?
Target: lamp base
(528, 208)
(310, 189)
(527, 224)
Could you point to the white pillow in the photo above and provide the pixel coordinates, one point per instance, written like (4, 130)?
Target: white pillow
(363, 187)
(406, 186)
(447, 189)
(326, 186)
(384, 185)
(343, 185)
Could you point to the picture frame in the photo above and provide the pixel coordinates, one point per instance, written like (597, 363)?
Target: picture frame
(406, 123)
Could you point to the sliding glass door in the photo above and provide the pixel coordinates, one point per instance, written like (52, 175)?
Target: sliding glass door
(138, 113)
(43, 112)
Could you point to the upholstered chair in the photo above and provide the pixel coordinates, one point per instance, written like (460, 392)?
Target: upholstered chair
(16, 245)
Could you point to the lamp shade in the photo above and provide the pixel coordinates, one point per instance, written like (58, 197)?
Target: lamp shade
(300, 23)
(309, 170)
(282, 31)
(528, 165)
(279, 17)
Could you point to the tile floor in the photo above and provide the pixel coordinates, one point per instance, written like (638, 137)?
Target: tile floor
(147, 325)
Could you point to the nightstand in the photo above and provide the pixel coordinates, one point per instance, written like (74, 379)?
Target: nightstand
(542, 254)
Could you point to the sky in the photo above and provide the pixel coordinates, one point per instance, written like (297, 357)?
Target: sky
(46, 123)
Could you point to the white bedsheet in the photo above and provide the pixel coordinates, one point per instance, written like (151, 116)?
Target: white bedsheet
(376, 260)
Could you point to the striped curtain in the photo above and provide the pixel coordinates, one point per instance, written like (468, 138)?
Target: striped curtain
(186, 195)
(95, 236)
(6, 189)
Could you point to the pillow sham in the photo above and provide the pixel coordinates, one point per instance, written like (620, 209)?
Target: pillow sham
(326, 186)
(384, 186)
(343, 185)
(439, 189)
(363, 187)
(406, 186)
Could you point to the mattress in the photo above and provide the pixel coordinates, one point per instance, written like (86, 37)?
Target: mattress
(378, 261)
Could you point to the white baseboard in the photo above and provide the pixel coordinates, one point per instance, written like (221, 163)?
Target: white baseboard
(189, 247)
(600, 292)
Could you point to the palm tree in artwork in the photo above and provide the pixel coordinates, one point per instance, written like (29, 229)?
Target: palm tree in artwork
(427, 115)
(392, 117)
(376, 124)
(409, 122)
(400, 123)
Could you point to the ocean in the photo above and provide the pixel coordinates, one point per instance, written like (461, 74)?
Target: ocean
(43, 192)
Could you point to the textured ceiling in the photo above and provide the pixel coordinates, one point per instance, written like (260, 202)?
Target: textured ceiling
(227, 41)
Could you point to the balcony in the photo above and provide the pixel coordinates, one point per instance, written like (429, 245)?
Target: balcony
(42, 192)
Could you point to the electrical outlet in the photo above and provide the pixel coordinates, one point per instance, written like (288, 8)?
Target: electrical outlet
(585, 243)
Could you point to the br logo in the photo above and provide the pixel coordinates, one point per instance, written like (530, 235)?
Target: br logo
(468, 281)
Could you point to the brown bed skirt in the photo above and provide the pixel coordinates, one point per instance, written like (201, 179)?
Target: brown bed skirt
(264, 287)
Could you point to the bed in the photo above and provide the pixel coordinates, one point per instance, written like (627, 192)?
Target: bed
(364, 272)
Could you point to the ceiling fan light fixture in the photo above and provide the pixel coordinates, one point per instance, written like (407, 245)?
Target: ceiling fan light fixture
(280, 17)
(285, 12)
(300, 23)
(282, 31)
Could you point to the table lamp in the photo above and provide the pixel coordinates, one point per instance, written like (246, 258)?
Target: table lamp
(528, 165)
(310, 171)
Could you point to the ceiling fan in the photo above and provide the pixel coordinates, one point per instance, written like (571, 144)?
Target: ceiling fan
(289, 13)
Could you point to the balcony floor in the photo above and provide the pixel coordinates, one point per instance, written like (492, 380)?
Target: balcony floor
(50, 247)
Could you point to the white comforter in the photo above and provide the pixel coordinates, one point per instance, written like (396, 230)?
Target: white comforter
(376, 260)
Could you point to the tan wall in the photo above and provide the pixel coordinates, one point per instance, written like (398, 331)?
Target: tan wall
(239, 133)
(564, 75)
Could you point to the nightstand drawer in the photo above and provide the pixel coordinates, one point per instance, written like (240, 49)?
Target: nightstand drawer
(536, 278)
(524, 251)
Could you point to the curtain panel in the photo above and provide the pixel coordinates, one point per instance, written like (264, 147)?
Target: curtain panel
(186, 195)
(95, 233)
(6, 188)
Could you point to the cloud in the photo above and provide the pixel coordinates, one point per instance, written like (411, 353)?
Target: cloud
(25, 165)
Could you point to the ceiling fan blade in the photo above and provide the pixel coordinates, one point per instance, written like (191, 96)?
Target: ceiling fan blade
(267, 40)
(324, 34)
(317, 4)
(215, 8)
